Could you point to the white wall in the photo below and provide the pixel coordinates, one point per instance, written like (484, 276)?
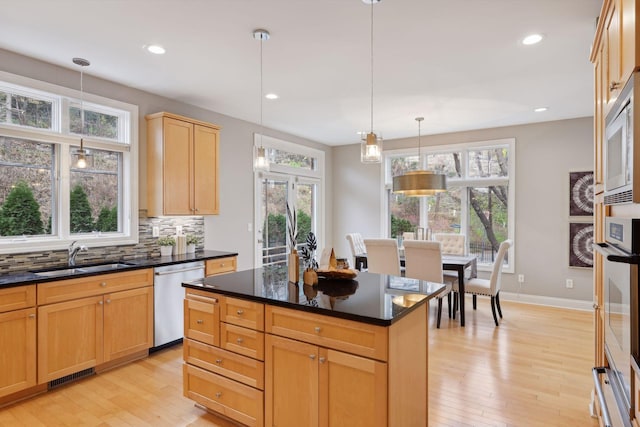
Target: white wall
(545, 154)
(227, 231)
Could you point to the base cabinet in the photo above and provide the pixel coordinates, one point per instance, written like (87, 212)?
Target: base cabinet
(17, 339)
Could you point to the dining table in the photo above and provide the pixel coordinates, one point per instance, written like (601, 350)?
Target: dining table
(457, 263)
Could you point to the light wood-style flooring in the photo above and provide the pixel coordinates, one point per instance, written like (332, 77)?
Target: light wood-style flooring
(532, 370)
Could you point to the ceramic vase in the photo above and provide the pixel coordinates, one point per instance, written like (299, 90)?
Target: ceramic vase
(310, 277)
(166, 250)
(191, 248)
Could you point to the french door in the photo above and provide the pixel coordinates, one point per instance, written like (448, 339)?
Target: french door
(273, 192)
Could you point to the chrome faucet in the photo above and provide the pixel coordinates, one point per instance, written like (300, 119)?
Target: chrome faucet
(73, 251)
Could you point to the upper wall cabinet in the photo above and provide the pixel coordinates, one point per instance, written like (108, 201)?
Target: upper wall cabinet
(182, 166)
(615, 58)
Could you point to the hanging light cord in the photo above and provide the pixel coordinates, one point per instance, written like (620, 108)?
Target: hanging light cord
(419, 139)
(372, 66)
(261, 90)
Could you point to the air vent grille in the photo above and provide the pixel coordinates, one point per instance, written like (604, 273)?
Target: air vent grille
(618, 198)
(70, 378)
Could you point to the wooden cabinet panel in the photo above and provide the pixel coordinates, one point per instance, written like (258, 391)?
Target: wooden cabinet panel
(182, 166)
(340, 334)
(243, 313)
(18, 350)
(202, 321)
(353, 390)
(247, 342)
(230, 398)
(231, 365)
(70, 337)
(17, 297)
(220, 265)
(64, 290)
(291, 383)
(128, 322)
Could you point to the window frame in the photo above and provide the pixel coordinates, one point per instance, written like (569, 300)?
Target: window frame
(64, 142)
(458, 182)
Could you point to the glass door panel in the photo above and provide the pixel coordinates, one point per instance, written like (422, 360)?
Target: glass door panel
(272, 231)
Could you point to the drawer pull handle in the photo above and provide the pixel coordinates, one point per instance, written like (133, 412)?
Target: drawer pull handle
(322, 360)
(239, 340)
(317, 329)
(103, 284)
(240, 312)
(218, 395)
(219, 361)
(312, 356)
(222, 265)
(199, 321)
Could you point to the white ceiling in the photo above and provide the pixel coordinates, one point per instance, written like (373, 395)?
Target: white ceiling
(458, 63)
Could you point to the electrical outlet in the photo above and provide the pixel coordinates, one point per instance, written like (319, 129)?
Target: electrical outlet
(179, 230)
(155, 231)
(520, 278)
(569, 283)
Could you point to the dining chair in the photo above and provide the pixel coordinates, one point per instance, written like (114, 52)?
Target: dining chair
(383, 256)
(408, 235)
(423, 261)
(490, 287)
(358, 249)
(452, 243)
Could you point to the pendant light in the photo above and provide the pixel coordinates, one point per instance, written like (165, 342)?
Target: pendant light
(371, 143)
(82, 157)
(419, 182)
(260, 159)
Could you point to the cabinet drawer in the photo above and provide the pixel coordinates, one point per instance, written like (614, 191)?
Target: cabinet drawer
(201, 321)
(331, 332)
(68, 289)
(240, 368)
(230, 398)
(242, 313)
(17, 297)
(220, 265)
(242, 340)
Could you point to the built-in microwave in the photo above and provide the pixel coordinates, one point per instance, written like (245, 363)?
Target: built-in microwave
(619, 152)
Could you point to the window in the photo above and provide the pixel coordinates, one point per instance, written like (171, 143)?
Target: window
(479, 200)
(45, 200)
(296, 178)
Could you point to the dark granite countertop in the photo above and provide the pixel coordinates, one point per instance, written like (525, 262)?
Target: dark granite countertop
(370, 298)
(29, 277)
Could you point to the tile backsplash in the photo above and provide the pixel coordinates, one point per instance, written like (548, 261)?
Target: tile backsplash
(146, 247)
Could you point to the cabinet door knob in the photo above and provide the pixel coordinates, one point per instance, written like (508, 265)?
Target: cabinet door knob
(32, 316)
(219, 361)
(219, 395)
(103, 284)
(613, 86)
(108, 301)
(240, 312)
(312, 356)
(595, 306)
(317, 329)
(322, 360)
(199, 321)
(222, 265)
(99, 302)
(239, 340)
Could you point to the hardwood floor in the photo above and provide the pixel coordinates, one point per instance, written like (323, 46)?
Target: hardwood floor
(532, 370)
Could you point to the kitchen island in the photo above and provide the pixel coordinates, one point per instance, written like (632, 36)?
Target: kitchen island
(264, 351)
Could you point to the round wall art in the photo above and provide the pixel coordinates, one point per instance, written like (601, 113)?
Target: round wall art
(580, 193)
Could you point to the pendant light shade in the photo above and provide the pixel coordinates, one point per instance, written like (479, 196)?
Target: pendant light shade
(260, 159)
(419, 182)
(82, 158)
(371, 142)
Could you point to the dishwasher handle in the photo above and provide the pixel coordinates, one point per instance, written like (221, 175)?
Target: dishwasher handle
(162, 273)
(606, 418)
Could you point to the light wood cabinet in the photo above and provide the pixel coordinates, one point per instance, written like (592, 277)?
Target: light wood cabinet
(220, 265)
(81, 333)
(18, 338)
(182, 166)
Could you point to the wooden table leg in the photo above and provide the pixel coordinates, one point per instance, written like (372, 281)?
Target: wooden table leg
(461, 294)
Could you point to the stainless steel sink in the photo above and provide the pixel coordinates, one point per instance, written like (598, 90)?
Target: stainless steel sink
(81, 269)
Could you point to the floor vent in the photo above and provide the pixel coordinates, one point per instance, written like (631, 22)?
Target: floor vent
(70, 378)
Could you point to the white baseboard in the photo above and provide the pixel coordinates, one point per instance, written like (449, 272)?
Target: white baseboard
(548, 301)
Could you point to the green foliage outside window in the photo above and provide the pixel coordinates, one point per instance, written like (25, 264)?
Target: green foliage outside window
(107, 219)
(20, 213)
(80, 211)
(399, 226)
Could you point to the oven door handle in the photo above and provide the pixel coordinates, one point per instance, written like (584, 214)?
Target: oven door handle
(606, 418)
(613, 254)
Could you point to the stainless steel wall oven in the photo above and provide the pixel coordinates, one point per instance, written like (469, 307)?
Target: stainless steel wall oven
(621, 252)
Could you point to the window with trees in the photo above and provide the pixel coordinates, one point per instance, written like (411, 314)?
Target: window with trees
(479, 200)
(44, 197)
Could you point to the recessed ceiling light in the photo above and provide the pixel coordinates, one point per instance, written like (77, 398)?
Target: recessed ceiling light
(157, 49)
(532, 39)
(540, 109)
(271, 96)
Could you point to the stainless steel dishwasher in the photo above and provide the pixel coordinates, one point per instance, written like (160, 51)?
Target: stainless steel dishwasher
(168, 300)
